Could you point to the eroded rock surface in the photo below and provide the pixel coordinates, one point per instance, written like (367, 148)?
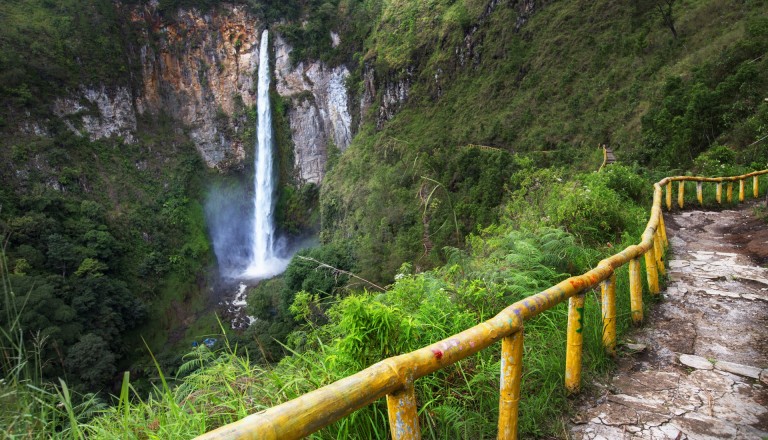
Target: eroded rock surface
(319, 109)
(707, 347)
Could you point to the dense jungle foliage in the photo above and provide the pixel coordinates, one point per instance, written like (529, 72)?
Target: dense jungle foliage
(555, 84)
(106, 238)
(477, 190)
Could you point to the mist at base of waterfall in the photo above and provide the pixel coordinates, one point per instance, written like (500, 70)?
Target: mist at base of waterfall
(247, 246)
(229, 218)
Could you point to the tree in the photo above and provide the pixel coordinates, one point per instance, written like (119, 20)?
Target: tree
(62, 253)
(665, 9)
(306, 275)
(91, 361)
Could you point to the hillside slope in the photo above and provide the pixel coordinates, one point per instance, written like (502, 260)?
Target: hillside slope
(552, 80)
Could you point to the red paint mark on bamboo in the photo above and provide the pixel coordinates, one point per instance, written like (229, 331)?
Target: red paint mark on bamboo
(438, 354)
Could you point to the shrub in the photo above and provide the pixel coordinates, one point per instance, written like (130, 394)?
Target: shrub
(592, 211)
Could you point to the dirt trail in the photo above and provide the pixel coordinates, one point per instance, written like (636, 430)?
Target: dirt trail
(702, 371)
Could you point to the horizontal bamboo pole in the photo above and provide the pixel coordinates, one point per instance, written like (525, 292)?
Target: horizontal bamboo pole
(315, 410)
(666, 180)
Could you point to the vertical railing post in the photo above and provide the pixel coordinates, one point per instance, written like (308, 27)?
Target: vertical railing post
(729, 193)
(669, 196)
(635, 291)
(741, 190)
(699, 193)
(403, 417)
(574, 342)
(511, 378)
(608, 297)
(650, 270)
(663, 229)
(755, 186)
(719, 192)
(658, 250)
(681, 194)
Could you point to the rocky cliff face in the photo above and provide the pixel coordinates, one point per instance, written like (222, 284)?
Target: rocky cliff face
(99, 113)
(198, 68)
(201, 70)
(319, 109)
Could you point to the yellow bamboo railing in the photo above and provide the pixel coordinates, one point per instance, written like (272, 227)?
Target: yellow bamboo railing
(394, 377)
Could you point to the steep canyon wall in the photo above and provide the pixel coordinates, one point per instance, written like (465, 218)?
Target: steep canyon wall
(200, 69)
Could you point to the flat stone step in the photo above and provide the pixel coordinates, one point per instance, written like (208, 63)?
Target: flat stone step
(696, 362)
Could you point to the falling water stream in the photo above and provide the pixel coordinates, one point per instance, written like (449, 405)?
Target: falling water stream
(243, 230)
(264, 261)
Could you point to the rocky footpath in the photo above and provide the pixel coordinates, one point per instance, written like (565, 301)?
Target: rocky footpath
(698, 370)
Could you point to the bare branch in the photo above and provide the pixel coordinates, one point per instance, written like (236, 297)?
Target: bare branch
(336, 269)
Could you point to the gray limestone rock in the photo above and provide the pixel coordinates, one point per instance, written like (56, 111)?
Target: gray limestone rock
(741, 370)
(696, 362)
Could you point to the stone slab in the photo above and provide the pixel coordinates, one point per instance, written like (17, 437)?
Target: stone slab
(696, 362)
(741, 370)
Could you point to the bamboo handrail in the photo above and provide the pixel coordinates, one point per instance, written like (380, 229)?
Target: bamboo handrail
(394, 376)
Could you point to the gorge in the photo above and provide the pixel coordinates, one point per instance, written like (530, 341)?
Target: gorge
(430, 149)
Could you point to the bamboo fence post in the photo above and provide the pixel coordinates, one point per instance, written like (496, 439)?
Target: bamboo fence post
(719, 192)
(741, 190)
(681, 194)
(755, 186)
(659, 253)
(663, 229)
(511, 378)
(403, 417)
(729, 193)
(669, 196)
(574, 342)
(608, 302)
(699, 193)
(635, 291)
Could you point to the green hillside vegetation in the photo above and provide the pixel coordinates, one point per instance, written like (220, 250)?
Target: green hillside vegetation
(340, 334)
(574, 76)
(106, 241)
(91, 238)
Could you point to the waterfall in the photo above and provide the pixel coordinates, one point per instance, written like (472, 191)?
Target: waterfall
(264, 259)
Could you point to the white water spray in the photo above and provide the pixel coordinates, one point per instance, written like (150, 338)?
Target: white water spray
(264, 260)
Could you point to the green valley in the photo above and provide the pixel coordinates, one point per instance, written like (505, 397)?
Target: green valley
(439, 157)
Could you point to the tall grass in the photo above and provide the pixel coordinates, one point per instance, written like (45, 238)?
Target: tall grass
(501, 266)
(30, 407)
